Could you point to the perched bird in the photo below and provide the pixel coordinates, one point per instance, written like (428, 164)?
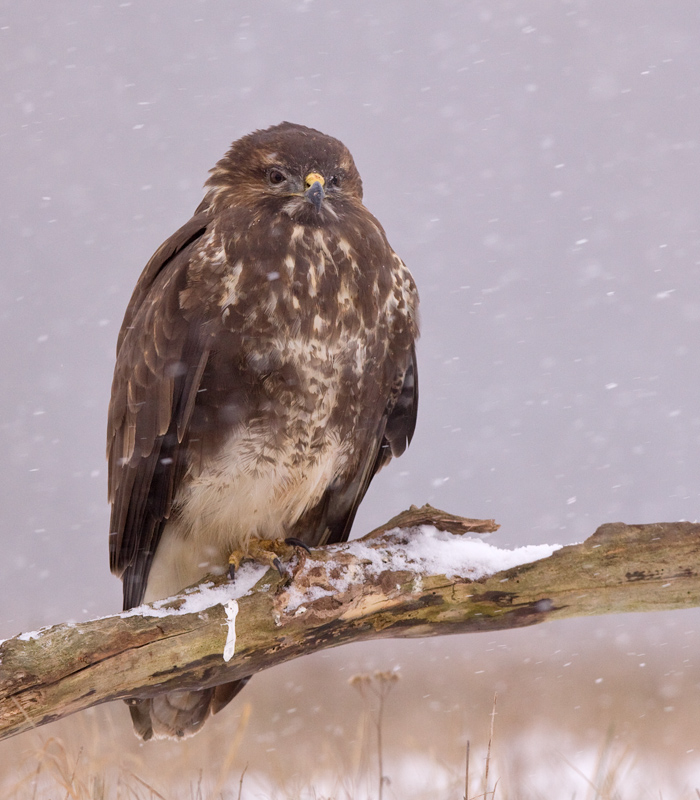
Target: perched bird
(265, 373)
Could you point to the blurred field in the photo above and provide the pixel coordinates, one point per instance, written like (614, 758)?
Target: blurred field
(598, 708)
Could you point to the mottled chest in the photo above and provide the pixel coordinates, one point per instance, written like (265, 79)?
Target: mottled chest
(313, 329)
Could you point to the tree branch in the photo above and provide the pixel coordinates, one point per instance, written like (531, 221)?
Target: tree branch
(362, 590)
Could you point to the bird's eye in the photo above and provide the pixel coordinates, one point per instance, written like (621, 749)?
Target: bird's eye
(276, 177)
(334, 182)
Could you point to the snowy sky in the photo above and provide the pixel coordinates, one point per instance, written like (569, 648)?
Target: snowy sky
(535, 164)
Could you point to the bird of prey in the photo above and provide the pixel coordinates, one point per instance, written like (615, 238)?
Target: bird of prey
(265, 372)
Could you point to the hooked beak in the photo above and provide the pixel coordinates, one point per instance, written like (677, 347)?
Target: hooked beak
(314, 189)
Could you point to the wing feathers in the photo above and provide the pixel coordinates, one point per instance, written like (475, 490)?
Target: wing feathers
(181, 239)
(161, 358)
(190, 395)
(401, 422)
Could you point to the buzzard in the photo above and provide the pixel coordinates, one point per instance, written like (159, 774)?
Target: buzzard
(265, 372)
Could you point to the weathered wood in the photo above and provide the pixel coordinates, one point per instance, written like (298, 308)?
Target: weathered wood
(67, 668)
(442, 520)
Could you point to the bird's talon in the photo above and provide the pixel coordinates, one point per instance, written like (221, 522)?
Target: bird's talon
(278, 565)
(234, 563)
(294, 542)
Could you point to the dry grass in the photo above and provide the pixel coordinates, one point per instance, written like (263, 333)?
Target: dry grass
(376, 688)
(55, 770)
(60, 768)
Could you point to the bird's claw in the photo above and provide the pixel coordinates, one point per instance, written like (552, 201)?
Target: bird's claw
(269, 552)
(294, 542)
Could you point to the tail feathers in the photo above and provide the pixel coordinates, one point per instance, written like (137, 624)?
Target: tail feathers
(225, 692)
(178, 715)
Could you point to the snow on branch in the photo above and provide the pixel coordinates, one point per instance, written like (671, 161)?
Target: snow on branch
(423, 573)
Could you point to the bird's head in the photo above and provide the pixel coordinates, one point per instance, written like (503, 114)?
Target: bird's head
(287, 169)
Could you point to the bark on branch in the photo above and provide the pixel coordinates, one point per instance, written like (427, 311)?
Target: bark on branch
(338, 594)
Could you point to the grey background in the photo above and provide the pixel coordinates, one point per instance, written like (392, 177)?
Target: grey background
(535, 163)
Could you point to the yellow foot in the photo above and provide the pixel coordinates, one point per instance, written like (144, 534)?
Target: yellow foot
(265, 551)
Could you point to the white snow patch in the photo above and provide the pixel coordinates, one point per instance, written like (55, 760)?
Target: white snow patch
(297, 598)
(197, 599)
(429, 551)
(231, 609)
(205, 596)
(30, 635)
(434, 552)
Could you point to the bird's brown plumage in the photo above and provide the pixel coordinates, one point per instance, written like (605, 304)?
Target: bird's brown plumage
(265, 373)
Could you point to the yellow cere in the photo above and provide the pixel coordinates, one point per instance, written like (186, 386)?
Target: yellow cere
(312, 178)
